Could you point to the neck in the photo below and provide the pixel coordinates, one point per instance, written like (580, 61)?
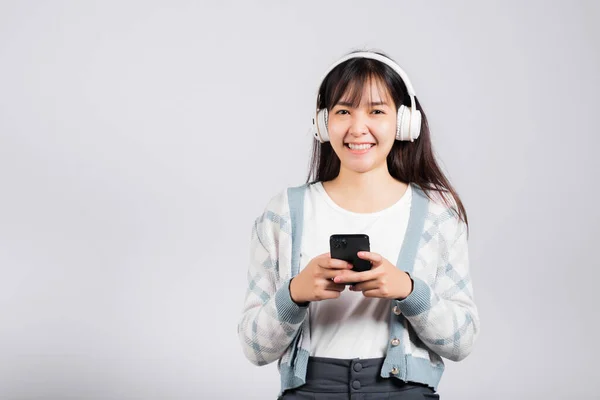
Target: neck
(367, 182)
(365, 192)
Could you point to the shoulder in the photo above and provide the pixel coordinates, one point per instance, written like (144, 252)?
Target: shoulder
(438, 202)
(281, 201)
(442, 211)
(277, 212)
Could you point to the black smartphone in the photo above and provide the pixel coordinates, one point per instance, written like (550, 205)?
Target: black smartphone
(345, 246)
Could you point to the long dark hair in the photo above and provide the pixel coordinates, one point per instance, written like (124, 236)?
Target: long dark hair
(410, 162)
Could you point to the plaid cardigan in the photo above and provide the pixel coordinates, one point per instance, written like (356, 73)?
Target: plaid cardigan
(438, 319)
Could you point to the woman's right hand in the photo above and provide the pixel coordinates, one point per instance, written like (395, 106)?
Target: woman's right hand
(315, 281)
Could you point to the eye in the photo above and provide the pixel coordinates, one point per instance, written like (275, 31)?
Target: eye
(342, 112)
(378, 112)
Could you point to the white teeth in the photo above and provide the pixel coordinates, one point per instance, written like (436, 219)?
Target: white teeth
(359, 146)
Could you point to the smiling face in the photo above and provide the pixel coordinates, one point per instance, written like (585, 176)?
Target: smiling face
(363, 134)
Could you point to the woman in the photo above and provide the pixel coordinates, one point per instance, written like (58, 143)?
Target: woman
(373, 172)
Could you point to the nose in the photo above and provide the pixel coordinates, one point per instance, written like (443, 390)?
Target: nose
(358, 124)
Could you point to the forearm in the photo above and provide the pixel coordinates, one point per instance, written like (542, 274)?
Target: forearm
(267, 329)
(448, 326)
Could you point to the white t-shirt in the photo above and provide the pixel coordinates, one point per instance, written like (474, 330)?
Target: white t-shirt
(351, 326)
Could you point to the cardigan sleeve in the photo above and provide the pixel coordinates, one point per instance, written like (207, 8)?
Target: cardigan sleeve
(444, 314)
(270, 319)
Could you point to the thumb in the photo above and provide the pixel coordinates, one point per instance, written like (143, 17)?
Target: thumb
(376, 259)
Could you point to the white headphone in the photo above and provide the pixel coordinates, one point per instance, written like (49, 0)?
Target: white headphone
(408, 121)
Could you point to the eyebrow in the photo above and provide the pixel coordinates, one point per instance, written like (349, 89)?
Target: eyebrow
(372, 104)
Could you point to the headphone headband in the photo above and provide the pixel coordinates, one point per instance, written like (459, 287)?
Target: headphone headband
(377, 57)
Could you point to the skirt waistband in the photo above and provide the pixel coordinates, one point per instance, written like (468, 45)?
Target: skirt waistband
(351, 375)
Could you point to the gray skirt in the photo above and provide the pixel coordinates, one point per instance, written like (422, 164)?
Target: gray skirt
(356, 379)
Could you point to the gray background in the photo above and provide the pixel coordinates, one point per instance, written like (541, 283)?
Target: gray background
(139, 140)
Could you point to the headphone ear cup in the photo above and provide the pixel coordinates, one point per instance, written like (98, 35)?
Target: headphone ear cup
(322, 120)
(415, 125)
(313, 130)
(408, 125)
(402, 123)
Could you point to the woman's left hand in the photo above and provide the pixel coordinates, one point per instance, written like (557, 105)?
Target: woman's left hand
(383, 280)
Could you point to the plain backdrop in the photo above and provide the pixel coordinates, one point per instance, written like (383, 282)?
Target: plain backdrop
(140, 139)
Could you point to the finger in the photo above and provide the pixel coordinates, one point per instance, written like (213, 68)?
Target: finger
(334, 287)
(350, 276)
(334, 263)
(329, 294)
(373, 293)
(330, 274)
(373, 257)
(323, 257)
(365, 286)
